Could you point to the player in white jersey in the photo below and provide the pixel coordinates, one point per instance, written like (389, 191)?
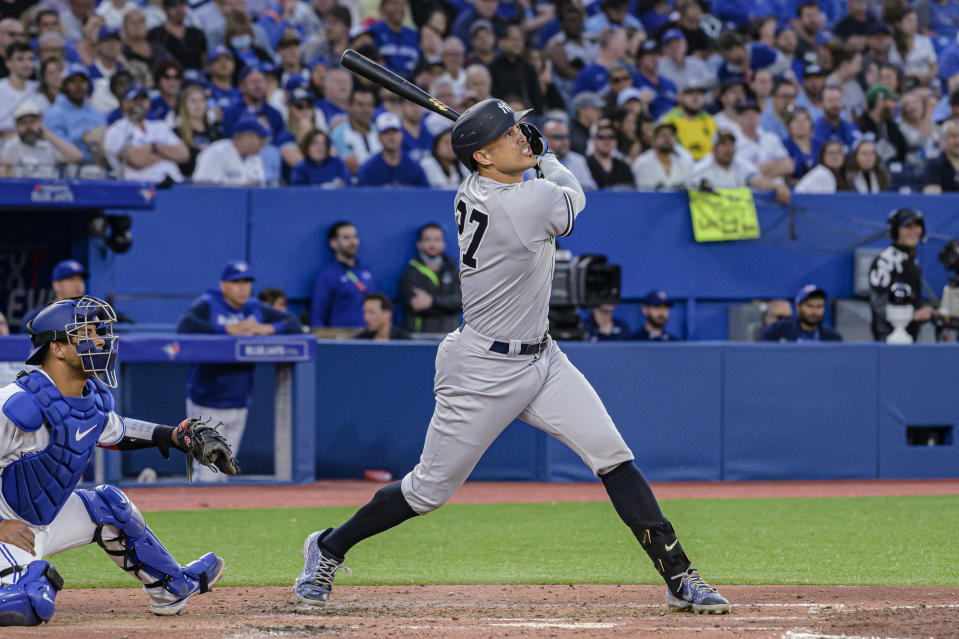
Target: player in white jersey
(502, 364)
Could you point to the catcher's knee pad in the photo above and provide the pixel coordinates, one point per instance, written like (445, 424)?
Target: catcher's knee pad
(140, 550)
(31, 599)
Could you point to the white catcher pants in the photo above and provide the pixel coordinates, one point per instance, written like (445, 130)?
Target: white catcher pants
(478, 394)
(234, 423)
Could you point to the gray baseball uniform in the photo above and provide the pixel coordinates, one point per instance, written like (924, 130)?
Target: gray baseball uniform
(507, 246)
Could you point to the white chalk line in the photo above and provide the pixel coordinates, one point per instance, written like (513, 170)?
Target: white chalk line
(791, 634)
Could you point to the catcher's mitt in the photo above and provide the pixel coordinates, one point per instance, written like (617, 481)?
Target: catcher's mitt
(206, 445)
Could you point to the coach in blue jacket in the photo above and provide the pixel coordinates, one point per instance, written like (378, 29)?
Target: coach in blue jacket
(222, 391)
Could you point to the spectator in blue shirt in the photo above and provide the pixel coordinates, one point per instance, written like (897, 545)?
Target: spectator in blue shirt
(807, 325)
(601, 326)
(340, 287)
(784, 101)
(398, 44)
(318, 167)
(831, 126)
(655, 307)
(742, 12)
(740, 57)
(391, 166)
(595, 76)
(108, 53)
(943, 18)
(223, 391)
(168, 78)
(72, 118)
(830, 9)
(647, 78)
(799, 143)
(477, 10)
(223, 94)
(613, 14)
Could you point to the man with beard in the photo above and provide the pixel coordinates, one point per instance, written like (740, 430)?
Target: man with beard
(831, 126)
(807, 326)
(430, 286)
(941, 173)
(512, 74)
(879, 119)
(694, 127)
(18, 86)
(141, 149)
(722, 169)
(341, 286)
(809, 31)
(35, 152)
(663, 167)
(71, 116)
(655, 307)
(813, 84)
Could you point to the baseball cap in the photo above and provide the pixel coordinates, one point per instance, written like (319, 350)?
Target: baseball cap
(216, 52)
(236, 270)
(725, 135)
(807, 291)
(67, 268)
(627, 94)
(250, 124)
(299, 94)
(672, 34)
(813, 69)
(657, 298)
(288, 40)
(315, 62)
(247, 70)
(880, 91)
(877, 27)
(172, 3)
(269, 67)
(386, 121)
(481, 24)
(76, 69)
(108, 32)
(693, 84)
(586, 99)
(648, 46)
(748, 105)
(663, 124)
(25, 108)
(136, 90)
(785, 26)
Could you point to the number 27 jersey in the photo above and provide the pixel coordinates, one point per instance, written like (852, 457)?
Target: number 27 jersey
(507, 249)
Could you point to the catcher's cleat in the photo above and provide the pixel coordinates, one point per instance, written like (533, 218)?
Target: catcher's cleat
(696, 595)
(200, 575)
(315, 582)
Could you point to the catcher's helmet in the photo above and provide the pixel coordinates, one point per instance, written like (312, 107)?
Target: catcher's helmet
(86, 323)
(904, 217)
(481, 124)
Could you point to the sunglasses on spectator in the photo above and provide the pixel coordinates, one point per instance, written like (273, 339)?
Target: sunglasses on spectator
(619, 78)
(607, 136)
(302, 105)
(174, 76)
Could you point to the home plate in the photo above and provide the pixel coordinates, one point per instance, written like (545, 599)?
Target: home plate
(539, 625)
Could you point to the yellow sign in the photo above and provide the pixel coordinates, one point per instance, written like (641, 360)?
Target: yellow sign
(726, 214)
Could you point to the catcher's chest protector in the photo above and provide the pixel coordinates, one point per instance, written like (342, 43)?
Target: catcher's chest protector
(37, 486)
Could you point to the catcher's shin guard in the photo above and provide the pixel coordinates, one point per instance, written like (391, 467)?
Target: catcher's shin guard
(130, 543)
(30, 600)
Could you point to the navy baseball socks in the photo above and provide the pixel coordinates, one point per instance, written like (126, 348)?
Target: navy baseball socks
(323, 551)
(637, 507)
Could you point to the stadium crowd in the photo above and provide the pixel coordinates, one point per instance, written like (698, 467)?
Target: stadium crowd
(811, 96)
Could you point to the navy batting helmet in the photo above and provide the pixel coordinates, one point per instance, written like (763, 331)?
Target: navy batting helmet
(904, 217)
(86, 324)
(481, 124)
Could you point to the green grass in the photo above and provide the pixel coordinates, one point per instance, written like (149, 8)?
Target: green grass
(852, 541)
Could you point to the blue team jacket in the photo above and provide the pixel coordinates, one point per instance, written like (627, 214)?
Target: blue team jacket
(226, 385)
(337, 297)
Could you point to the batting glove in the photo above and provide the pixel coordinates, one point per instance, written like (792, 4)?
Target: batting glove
(537, 142)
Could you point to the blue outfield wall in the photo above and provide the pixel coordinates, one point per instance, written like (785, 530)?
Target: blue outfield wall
(180, 247)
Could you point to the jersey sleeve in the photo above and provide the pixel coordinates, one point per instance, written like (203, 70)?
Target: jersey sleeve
(541, 210)
(113, 432)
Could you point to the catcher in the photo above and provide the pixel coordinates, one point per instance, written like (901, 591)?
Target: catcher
(50, 422)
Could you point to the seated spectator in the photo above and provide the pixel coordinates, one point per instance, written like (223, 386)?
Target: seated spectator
(11, 30)
(430, 286)
(680, 68)
(915, 124)
(114, 11)
(799, 144)
(285, 17)
(846, 67)
(72, 118)
(398, 43)
(694, 127)
(878, 121)
(68, 279)
(811, 33)
(482, 11)
(141, 149)
(762, 149)
(223, 391)
(829, 175)
(49, 40)
(51, 46)
(655, 307)
(660, 92)
(186, 44)
(302, 116)
(356, 140)
(723, 170)
(783, 102)
(665, 167)
(552, 96)
(136, 47)
(729, 95)
(234, 161)
(913, 52)
(479, 81)
(107, 62)
(569, 49)
(601, 326)
(340, 286)
(168, 78)
(857, 22)
(378, 319)
(807, 326)
(50, 83)
(864, 171)
(239, 36)
(786, 43)
(761, 84)
(832, 126)
(417, 139)
(452, 54)
(442, 168)
(33, 151)
(608, 171)
(274, 298)
(482, 40)
(741, 58)
(557, 137)
(334, 39)
(612, 15)
(337, 92)
(193, 126)
(941, 19)
(776, 310)
(16, 87)
(810, 98)
(119, 84)
(443, 91)
(391, 166)
(512, 74)
(587, 110)
(290, 55)
(223, 94)
(318, 167)
(594, 76)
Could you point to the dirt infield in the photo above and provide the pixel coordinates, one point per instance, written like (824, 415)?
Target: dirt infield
(781, 612)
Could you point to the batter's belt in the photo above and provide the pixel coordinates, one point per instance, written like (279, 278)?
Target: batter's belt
(514, 347)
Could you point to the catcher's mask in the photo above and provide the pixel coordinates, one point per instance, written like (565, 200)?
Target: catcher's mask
(86, 324)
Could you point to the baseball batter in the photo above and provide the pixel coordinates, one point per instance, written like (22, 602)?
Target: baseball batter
(502, 364)
(52, 419)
